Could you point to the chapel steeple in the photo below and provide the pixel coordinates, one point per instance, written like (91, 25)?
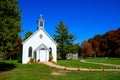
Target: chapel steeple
(40, 22)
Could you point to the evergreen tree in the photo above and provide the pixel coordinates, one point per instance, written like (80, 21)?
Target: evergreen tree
(28, 34)
(10, 25)
(63, 39)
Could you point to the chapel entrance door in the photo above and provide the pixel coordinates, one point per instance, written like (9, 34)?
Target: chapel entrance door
(43, 55)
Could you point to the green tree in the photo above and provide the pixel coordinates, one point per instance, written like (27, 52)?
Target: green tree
(63, 38)
(73, 48)
(28, 34)
(10, 25)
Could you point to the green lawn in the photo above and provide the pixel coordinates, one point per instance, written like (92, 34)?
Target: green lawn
(104, 60)
(77, 63)
(12, 70)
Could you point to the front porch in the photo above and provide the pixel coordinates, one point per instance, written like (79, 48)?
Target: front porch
(42, 53)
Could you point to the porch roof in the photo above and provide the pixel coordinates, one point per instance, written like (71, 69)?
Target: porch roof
(42, 46)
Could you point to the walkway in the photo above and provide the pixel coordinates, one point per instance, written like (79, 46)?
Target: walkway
(80, 69)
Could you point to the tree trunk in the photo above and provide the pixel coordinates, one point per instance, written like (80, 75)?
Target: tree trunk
(63, 56)
(10, 58)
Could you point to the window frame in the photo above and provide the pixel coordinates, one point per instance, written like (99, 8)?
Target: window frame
(30, 52)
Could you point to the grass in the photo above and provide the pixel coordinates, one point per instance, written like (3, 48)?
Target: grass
(41, 72)
(104, 60)
(77, 63)
(26, 71)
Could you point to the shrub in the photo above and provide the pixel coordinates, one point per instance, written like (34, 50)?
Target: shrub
(31, 60)
(50, 58)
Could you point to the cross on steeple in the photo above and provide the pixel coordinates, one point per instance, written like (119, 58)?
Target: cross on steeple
(40, 15)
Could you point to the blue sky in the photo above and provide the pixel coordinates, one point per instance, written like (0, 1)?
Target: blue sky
(85, 18)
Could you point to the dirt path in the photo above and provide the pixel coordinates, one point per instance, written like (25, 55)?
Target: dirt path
(81, 69)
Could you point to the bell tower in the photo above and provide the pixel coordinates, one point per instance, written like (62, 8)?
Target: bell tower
(41, 22)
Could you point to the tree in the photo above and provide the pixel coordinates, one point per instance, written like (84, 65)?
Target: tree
(95, 46)
(107, 44)
(14, 54)
(80, 54)
(10, 25)
(63, 38)
(87, 49)
(28, 34)
(73, 48)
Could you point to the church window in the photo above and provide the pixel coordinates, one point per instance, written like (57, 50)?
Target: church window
(41, 36)
(50, 52)
(30, 52)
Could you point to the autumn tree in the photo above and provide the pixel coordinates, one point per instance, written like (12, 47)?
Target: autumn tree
(95, 46)
(112, 38)
(107, 44)
(63, 38)
(14, 54)
(10, 25)
(87, 49)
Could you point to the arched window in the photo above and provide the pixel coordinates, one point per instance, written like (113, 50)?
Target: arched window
(50, 52)
(30, 52)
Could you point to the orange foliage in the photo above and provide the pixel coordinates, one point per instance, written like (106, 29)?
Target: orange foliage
(87, 50)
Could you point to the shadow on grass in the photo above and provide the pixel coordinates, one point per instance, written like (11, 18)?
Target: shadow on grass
(6, 66)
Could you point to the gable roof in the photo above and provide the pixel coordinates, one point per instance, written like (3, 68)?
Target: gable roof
(37, 32)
